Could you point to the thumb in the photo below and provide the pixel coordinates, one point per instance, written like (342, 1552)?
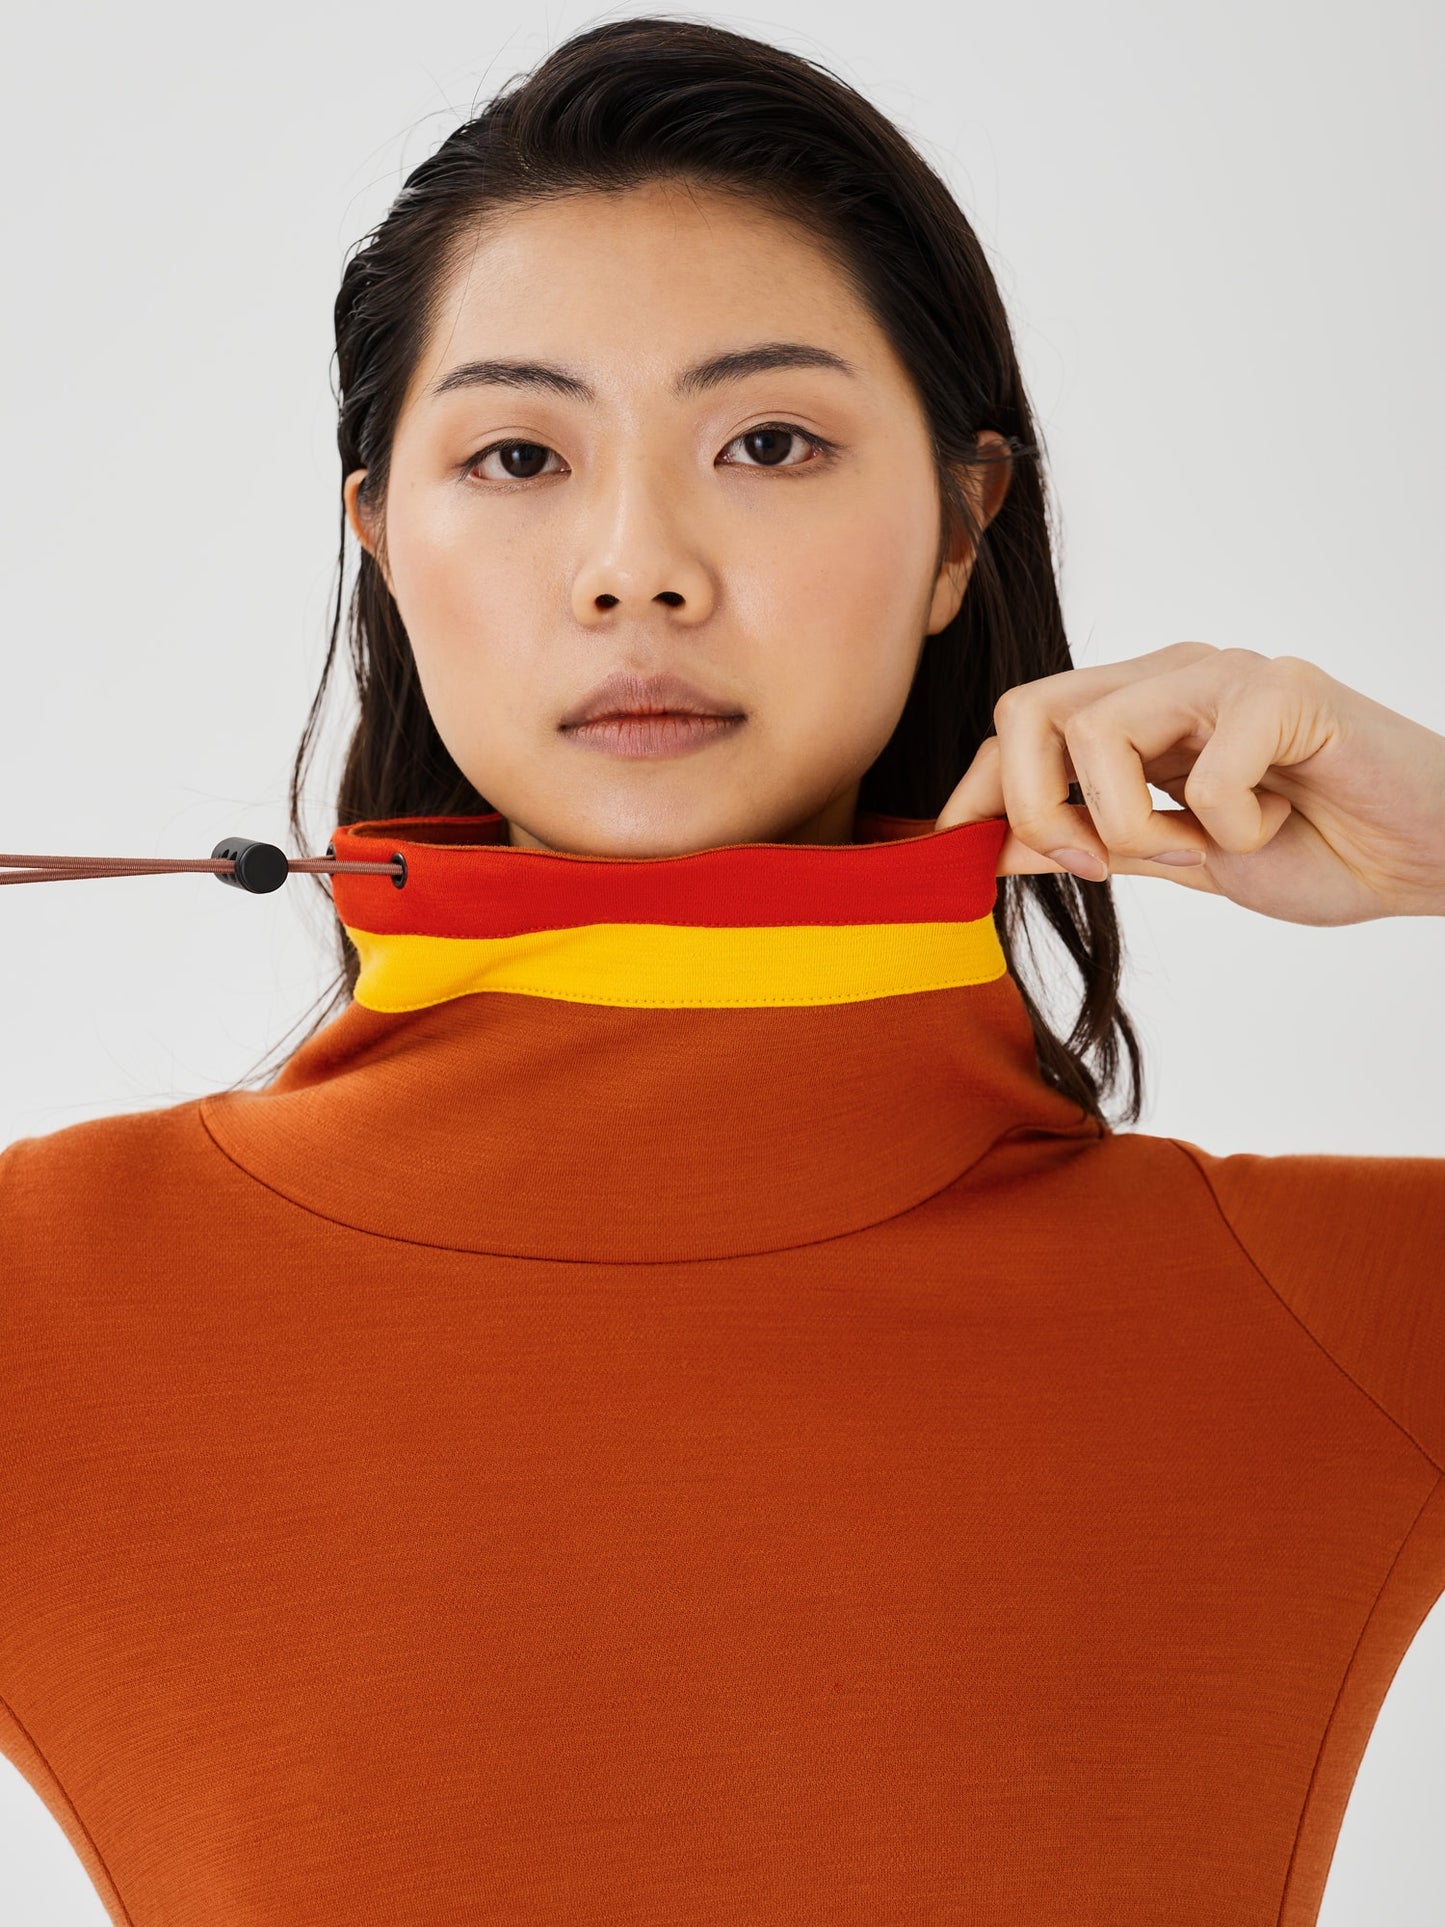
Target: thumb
(980, 796)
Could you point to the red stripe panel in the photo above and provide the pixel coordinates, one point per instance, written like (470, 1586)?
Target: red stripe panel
(462, 881)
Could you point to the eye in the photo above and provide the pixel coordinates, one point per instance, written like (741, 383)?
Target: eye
(767, 446)
(520, 461)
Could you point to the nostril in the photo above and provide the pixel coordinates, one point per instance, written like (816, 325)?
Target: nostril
(607, 602)
(669, 596)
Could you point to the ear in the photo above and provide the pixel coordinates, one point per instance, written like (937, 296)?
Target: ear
(360, 519)
(986, 488)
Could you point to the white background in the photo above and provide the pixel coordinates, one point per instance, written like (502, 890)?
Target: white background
(1217, 231)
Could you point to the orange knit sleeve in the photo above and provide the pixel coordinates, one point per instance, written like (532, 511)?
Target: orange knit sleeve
(1355, 1246)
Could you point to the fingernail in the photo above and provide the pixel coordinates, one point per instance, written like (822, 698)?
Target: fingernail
(1091, 868)
(1178, 856)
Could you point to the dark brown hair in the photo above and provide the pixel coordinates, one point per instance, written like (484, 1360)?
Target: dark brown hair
(652, 98)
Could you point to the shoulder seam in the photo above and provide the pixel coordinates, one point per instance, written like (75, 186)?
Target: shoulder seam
(1344, 1680)
(1313, 1337)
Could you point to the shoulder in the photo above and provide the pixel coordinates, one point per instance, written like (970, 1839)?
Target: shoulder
(65, 1190)
(1355, 1246)
(1312, 1209)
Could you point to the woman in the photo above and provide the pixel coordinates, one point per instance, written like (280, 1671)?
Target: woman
(678, 1404)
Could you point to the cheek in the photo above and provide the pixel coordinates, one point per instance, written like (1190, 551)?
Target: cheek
(837, 602)
(471, 607)
(447, 584)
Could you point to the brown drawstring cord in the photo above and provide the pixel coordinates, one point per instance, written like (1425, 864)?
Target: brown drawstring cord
(255, 867)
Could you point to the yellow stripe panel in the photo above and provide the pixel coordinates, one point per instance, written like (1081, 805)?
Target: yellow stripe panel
(680, 965)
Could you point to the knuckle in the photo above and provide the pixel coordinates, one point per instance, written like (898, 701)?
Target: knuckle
(1204, 790)
(1009, 703)
(1294, 669)
(1085, 726)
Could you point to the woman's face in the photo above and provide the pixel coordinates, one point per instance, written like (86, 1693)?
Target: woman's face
(657, 433)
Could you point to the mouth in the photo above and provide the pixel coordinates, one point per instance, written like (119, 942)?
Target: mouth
(627, 696)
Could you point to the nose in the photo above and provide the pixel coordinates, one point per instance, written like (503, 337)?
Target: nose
(641, 552)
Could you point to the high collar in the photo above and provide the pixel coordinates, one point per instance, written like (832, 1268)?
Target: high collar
(622, 1059)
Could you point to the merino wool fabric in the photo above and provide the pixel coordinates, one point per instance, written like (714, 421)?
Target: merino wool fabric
(659, 1414)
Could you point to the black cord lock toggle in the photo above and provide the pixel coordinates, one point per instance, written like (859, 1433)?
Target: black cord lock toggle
(259, 867)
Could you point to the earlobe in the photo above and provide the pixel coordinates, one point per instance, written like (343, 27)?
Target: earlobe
(349, 496)
(954, 572)
(358, 516)
(985, 488)
(948, 590)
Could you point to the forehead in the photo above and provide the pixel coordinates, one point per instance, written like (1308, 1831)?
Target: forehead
(645, 279)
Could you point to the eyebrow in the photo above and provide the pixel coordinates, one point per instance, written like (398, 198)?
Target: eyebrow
(712, 373)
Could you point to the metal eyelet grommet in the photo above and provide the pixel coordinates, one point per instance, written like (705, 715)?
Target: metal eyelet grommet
(397, 857)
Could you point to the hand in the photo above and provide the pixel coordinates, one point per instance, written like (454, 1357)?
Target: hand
(1309, 801)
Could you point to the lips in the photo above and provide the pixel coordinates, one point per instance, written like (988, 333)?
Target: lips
(624, 694)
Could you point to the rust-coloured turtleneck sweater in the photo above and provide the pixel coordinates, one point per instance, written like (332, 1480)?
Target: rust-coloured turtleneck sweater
(659, 1415)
